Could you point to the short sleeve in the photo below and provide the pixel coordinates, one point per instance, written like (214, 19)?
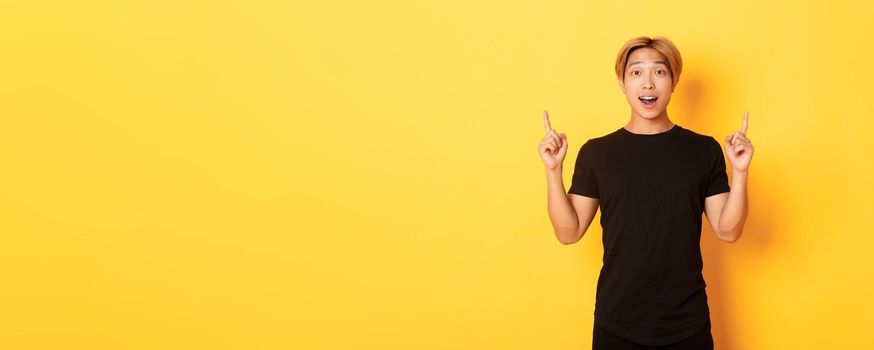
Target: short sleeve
(717, 181)
(584, 182)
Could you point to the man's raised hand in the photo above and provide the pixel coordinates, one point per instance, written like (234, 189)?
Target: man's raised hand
(553, 147)
(739, 148)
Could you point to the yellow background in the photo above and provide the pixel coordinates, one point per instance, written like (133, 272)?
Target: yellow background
(364, 175)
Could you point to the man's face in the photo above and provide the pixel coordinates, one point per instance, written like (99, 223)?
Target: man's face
(647, 83)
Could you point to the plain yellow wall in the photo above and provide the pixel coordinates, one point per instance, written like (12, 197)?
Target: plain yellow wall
(364, 175)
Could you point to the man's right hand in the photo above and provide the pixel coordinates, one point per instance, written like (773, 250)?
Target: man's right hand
(553, 147)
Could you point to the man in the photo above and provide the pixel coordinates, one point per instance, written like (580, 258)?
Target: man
(652, 180)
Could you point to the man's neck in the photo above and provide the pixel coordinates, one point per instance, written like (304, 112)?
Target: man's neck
(658, 125)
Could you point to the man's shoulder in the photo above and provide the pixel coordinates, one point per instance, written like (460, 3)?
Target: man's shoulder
(603, 139)
(701, 144)
(697, 137)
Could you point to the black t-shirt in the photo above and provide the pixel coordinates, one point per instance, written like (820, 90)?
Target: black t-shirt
(651, 190)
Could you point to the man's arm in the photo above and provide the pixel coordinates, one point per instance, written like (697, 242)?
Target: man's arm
(570, 214)
(727, 212)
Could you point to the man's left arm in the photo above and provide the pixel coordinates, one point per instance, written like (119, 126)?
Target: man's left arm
(727, 212)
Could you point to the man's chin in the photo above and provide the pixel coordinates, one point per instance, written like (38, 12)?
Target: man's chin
(650, 115)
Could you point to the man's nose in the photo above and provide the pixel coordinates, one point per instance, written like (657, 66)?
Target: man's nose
(647, 83)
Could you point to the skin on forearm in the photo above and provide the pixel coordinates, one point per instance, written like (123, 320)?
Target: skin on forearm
(561, 211)
(734, 213)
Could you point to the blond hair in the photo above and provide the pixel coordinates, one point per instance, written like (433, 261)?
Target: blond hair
(659, 43)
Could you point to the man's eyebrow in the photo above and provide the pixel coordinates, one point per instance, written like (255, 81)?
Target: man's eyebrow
(656, 62)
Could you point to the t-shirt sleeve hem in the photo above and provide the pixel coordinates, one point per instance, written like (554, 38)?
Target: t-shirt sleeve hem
(718, 191)
(590, 195)
(585, 193)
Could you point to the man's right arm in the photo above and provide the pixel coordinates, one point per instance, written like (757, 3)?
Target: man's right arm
(571, 214)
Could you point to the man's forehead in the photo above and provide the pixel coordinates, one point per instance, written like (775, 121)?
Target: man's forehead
(646, 55)
(653, 62)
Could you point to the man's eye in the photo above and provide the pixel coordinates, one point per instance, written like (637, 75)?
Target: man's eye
(634, 72)
(660, 71)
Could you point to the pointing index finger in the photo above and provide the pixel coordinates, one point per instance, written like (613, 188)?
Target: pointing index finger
(546, 122)
(743, 129)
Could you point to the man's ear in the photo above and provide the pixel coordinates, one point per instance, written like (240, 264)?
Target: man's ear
(621, 86)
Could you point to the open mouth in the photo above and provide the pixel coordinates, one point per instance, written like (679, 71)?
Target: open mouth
(648, 100)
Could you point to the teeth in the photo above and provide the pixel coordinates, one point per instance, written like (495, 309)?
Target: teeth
(648, 98)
